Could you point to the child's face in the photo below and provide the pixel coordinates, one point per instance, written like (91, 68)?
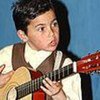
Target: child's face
(43, 32)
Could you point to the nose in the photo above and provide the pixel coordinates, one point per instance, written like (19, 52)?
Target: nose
(51, 32)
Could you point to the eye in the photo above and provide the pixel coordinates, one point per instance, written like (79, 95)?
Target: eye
(40, 29)
(55, 23)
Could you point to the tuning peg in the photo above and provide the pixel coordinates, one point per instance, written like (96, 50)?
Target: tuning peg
(98, 71)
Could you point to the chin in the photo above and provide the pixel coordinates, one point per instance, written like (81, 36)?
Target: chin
(52, 49)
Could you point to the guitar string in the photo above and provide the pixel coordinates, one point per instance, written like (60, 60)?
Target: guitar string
(29, 86)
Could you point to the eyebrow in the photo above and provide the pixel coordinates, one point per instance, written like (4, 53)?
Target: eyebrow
(44, 24)
(39, 25)
(54, 20)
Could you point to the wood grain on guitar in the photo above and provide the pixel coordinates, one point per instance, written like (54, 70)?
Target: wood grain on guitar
(26, 87)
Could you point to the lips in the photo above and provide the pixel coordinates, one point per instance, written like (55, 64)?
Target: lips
(53, 42)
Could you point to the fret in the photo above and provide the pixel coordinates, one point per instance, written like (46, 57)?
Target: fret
(22, 89)
(47, 75)
(35, 85)
(59, 74)
(54, 76)
(32, 86)
(40, 80)
(38, 85)
(63, 72)
(44, 76)
(50, 75)
(67, 70)
(25, 89)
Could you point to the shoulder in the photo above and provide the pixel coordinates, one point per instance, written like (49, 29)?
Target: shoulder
(67, 60)
(5, 55)
(6, 49)
(6, 52)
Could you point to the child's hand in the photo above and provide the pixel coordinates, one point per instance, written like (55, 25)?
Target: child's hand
(4, 78)
(53, 89)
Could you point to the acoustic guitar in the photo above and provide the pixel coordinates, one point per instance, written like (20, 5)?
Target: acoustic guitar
(25, 84)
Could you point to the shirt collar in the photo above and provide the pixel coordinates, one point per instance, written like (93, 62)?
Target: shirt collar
(34, 57)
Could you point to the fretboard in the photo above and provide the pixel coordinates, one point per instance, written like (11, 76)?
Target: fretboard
(34, 85)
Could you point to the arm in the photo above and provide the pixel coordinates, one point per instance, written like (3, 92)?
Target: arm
(72, 84)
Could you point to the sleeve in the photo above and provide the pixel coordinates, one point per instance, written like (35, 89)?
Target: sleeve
(5, 58)
(72, 84)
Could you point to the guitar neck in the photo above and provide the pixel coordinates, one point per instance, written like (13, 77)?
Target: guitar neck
(35, 84)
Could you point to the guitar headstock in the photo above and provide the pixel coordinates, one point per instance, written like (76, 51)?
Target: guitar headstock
(89, 63)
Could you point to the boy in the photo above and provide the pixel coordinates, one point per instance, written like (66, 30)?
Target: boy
(37, 27)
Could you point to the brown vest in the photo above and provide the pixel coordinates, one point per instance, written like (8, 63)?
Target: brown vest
(18, 60)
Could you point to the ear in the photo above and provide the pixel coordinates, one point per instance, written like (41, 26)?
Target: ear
(22, 35)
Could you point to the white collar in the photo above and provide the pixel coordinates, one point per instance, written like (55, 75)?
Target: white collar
(35, 58)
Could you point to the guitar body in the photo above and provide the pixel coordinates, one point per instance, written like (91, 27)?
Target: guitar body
(38, 95)
(20, 76)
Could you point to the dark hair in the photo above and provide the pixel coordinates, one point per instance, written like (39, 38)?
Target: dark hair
(26, 10)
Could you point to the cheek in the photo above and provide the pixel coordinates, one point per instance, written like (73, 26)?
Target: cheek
(33, 39)
(57, 35)
(41, 44)
(41, 40)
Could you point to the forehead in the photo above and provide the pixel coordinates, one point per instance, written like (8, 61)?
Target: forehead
(46, 17)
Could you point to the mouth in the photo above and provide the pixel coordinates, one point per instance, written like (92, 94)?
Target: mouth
(53, 42)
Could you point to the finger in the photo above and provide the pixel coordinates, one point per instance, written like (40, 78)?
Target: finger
(8, 75)
(53, 84)
(4, 78)
(46, 84)
(46, 90)
(50, 82)
(2, 67)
